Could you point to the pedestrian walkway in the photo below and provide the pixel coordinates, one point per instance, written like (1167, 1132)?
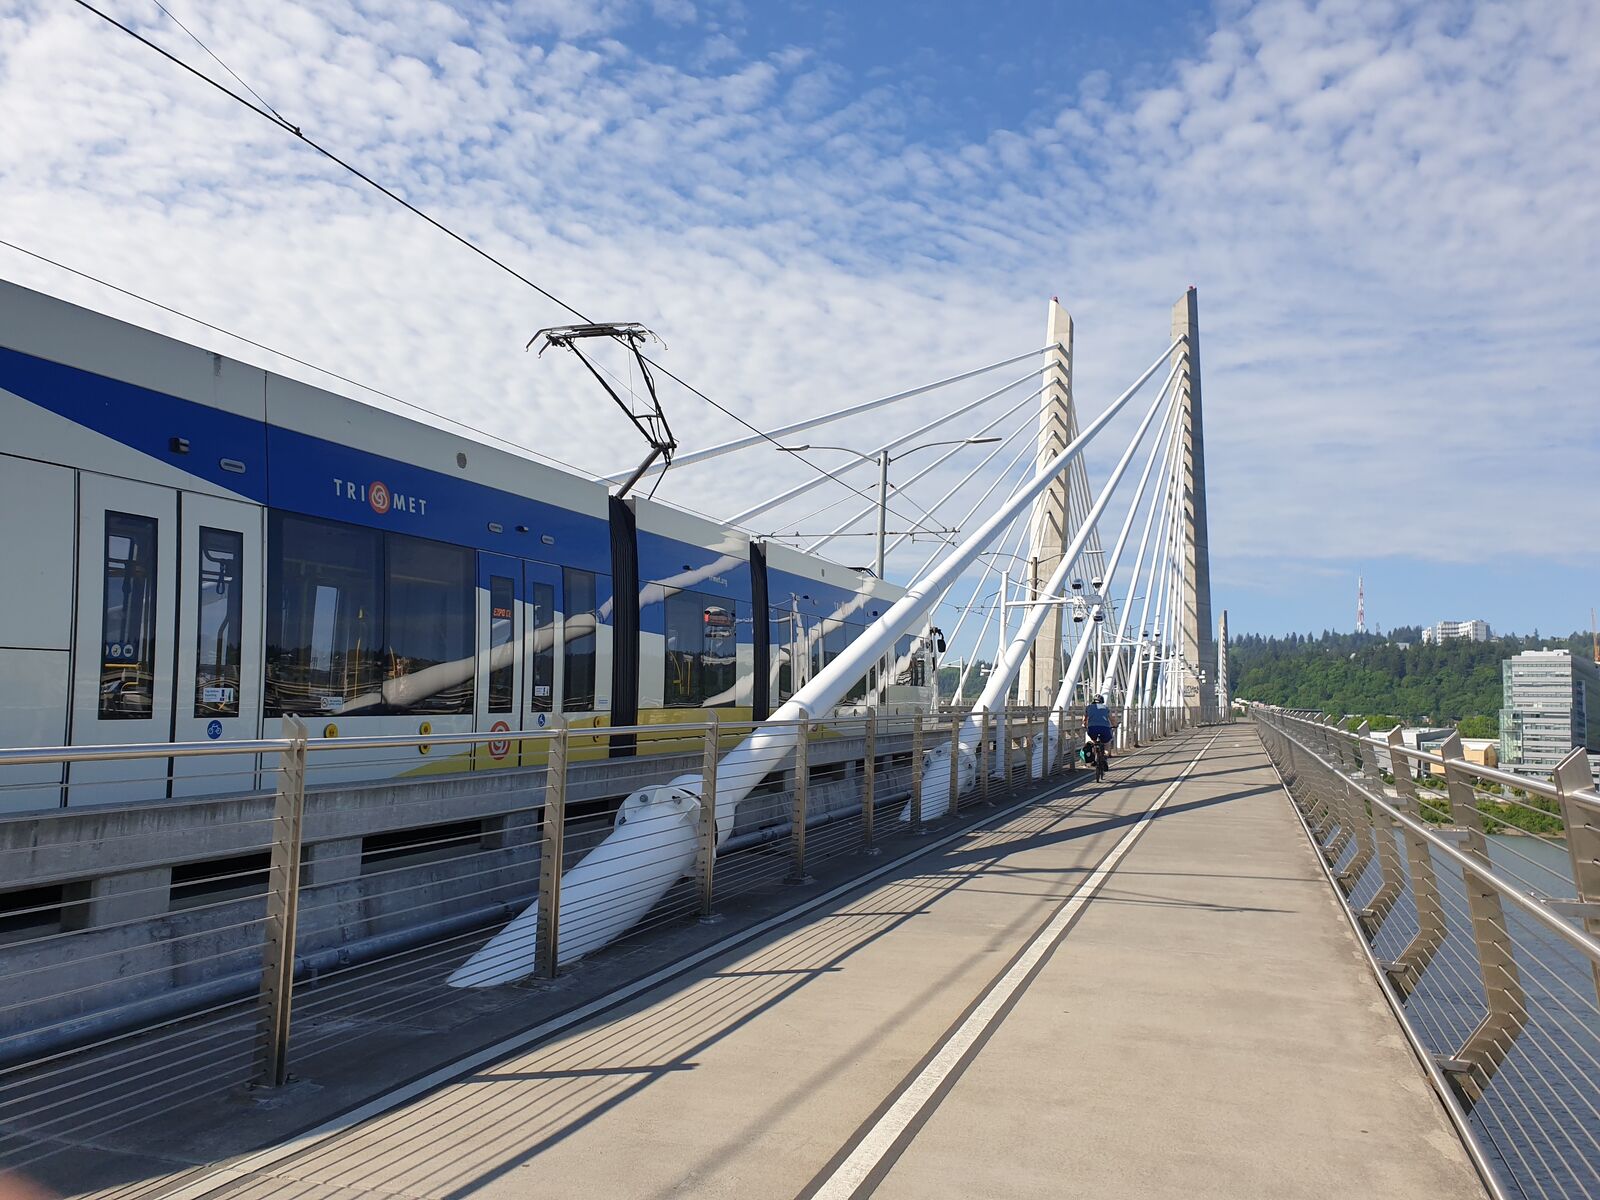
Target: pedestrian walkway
(1140, 989)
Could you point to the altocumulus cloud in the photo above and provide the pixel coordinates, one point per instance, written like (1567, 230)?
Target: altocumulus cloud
(1390, 209)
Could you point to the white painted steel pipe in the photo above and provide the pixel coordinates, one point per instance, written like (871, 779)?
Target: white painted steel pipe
(1158, 505)
(934, 802)
(1005, 672)
(1159, 452)
(509, 956)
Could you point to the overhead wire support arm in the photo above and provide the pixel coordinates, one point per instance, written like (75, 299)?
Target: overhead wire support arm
(651, 423)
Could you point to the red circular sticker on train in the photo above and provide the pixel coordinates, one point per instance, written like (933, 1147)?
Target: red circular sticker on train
(499, 749)
(378, 496)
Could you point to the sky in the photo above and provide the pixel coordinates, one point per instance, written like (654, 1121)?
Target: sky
(1391, 212)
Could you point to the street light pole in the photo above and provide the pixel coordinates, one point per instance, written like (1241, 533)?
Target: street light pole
(883, 507)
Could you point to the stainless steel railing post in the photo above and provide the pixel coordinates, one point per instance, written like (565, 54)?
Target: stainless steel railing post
(916, 773)
(706, 849)
(552, 852)
(1406, 970)
(283, 908)
(1573, 775)
(955, 763)
(1389, 867)
(1361, 825)
(984, 734)
(1061, 764)
(1002, 747)
(869, 782)
(1507, 1000)
(797, 812)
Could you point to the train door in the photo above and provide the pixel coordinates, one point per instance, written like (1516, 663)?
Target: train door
(125, 613)
(500, 669)
(543, 644)
(218, 693)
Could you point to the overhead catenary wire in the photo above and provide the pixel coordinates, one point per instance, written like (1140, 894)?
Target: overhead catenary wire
(832, 504)
(271, 115)
(892, 444)
(710, 452)
(971, 475)
(938, 461)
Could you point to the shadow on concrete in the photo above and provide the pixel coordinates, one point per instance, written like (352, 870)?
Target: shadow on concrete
(703, 1007)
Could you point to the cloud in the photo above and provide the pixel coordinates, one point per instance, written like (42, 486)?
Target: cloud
(1390, 211)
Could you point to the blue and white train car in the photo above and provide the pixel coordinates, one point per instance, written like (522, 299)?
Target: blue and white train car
(197, 547)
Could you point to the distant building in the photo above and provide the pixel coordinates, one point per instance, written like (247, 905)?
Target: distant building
(1550, 704)
(1483, 751)
(1446, 631)
(1422, 738)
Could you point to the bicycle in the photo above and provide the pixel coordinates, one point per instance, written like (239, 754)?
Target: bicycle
(1100, 763)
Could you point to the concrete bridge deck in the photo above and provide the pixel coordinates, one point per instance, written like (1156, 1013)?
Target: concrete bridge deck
(1144, 989)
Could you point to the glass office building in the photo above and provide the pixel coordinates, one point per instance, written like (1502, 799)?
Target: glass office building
(1550, 704)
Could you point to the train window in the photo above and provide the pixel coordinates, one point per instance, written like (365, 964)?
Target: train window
(908, 663)
(324, 617)
(361, 622)
(578, 660)
(220, 607)
(128, 619)
(502, 608)
(849, 632)
(719, 654)
(429, 608)
(542, 634)
(683, 645)
(785, 632)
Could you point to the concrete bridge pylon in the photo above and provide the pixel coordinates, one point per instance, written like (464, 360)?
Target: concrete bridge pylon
(1197, 643)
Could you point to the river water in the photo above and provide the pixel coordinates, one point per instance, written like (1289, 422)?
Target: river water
(1540, 1115)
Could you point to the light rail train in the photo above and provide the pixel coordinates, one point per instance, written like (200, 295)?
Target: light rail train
(196, 548)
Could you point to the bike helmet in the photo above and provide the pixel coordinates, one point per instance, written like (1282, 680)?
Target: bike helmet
(1099, 699)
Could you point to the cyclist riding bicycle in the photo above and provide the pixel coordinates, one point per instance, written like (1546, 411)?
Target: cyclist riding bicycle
(1096, 726)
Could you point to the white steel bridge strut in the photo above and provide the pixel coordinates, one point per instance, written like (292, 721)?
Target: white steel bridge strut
(617, 883)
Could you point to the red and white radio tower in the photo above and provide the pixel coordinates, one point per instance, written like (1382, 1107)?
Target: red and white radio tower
(1361, 605)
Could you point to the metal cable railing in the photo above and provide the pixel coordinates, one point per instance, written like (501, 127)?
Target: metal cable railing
(1486, 934)
(285, 928)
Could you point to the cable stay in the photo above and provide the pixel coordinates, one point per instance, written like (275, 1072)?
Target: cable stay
(1011, 662)
(893, 444)
(649, 420)
(510, 954)
(925, 471)
(1161, 450)
(744, 443)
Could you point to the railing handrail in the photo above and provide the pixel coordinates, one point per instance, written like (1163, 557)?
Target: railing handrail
(23, 756)
(1523, 899)
(1590, 797)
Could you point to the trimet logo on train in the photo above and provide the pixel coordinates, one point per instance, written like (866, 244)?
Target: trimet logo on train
(378, 496)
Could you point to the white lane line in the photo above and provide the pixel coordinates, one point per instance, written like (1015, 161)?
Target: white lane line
(880, 1139)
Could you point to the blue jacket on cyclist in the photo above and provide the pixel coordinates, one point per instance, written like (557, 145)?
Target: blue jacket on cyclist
(1097, 720)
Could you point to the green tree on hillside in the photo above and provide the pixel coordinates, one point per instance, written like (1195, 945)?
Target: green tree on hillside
(1363, 673)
